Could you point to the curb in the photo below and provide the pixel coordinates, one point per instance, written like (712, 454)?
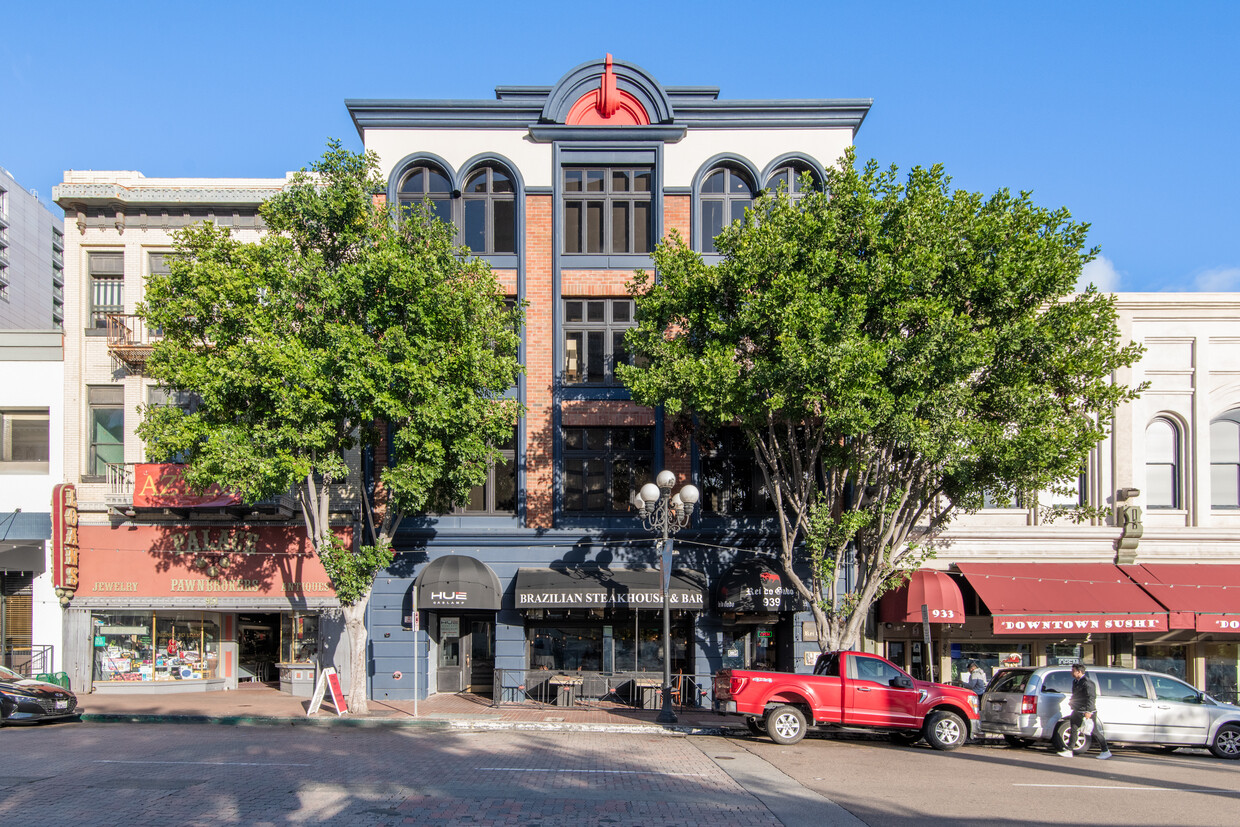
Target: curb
(401, 723)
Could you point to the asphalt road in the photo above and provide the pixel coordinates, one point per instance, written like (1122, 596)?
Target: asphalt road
(890, 786)
(140, 774)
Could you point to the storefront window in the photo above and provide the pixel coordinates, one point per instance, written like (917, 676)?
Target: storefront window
(159, 646)
(1223, 671)
(621, 646)
(990, 656)
(1066, 654)
(1161, 657)
(750, 648)
(299, 637)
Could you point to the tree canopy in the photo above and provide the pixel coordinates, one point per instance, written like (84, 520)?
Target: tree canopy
(344, 326)
(893, 350)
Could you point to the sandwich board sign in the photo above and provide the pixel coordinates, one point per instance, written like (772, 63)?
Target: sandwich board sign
(328, 681)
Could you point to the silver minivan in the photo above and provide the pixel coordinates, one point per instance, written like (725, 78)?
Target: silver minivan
(1136, 706)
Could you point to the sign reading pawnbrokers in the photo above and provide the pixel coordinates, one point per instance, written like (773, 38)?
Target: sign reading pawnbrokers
(163, 561)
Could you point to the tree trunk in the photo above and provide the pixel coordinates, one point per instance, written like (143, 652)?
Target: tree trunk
(355, 628)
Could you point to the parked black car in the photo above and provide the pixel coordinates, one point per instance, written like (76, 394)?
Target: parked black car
(27, 701)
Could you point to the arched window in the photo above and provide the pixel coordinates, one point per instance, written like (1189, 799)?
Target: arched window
(490, 211)
(1225, 461)
(790, 177)
(422, 182)
(726, 194)
(1162, 464)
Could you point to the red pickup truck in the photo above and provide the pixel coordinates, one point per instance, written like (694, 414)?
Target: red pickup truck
(848, 689)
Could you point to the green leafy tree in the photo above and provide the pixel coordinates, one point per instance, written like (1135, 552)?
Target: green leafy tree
(341, 328)
(893, 351)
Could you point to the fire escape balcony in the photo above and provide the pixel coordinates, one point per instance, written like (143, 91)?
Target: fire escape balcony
(129, 343)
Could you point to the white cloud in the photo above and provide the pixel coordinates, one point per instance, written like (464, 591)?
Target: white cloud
(1100, 272)
(1218, 280)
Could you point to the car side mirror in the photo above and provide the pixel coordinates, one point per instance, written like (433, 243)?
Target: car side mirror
(902, 682)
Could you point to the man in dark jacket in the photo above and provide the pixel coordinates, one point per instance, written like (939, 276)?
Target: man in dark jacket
(1084, 705)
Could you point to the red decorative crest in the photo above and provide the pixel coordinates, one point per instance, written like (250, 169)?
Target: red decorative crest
(608, 105)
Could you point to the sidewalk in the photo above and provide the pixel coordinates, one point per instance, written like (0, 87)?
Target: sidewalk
(259, 704)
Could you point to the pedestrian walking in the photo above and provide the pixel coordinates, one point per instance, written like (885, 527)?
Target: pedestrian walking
(1084, 708)
(975, 678)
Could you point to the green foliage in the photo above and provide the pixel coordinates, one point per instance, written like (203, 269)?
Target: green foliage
(353, 572)
(893, 350)
(340, 321)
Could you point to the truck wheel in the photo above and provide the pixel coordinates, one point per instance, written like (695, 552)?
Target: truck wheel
(945, 730)
(1059, 740)
(785, 725)
(1226, 743)
(755, 725)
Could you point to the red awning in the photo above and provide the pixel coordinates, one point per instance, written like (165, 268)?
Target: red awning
(1201, 597)
(934, 589)
(1053, 598)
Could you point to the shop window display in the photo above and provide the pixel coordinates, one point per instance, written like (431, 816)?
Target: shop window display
(1223, 671)
(991, 657)
(155, 646)
(624, 646)
(1159, 657)
(299, 637)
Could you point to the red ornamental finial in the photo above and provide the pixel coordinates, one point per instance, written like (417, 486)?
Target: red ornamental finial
(608, 98)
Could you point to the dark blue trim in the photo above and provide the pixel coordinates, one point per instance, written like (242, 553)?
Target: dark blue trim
(21, 526)
(598, 261)
(607, 392)
(408, 162)
(629, 78)
(794, 157)
(708, 166)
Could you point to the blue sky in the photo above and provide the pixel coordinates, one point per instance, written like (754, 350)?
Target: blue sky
(1127, 113)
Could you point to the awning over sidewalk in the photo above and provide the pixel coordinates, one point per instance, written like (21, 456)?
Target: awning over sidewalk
(1201, 597)
(594, 587)
(757, 585)
(1054, 598)
(933, 589)
(456, 581)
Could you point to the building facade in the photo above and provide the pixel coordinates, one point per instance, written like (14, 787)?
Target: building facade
(174, 590)
(31, 440)
(565, 189)
(32, 246)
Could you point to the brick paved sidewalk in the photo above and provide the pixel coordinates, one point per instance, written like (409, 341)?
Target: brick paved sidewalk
(258, 704)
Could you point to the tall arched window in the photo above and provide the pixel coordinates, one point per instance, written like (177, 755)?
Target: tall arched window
(1225, 461)
(790, 176)
(1162, 464)
(490, 211)
(726, 194)
(422, 182)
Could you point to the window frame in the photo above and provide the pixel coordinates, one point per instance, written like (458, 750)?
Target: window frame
(728, 199)
(99, 398)
(615, 502)
(455, 198)
(489, 199)
(1232, 419)
(730, 439)
(8, 417)
(609, 327)
(489, 509)
(609, 197)
(1174, 464)
(97, 277)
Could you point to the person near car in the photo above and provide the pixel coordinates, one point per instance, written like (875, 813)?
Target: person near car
(975, 678)
(1084, 706)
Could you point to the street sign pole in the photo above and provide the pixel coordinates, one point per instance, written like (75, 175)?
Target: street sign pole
(414, 591)
(925, 634)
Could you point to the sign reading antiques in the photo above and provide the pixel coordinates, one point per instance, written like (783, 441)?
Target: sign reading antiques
(1084, 623)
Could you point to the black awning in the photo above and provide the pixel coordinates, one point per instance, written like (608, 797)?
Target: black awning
(457, 582)
(592, 587)
(757, 585)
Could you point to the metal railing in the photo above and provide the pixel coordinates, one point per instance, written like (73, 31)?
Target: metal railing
(118, 480)
(549, 687)
(26, 659)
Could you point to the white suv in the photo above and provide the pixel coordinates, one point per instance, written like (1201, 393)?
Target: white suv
(1136, 706)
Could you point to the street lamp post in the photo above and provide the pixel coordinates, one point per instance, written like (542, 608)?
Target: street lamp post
(665, 513)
